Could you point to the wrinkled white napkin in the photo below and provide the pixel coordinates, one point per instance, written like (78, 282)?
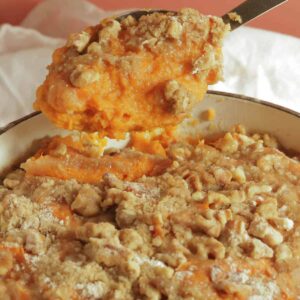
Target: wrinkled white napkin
(258, 63)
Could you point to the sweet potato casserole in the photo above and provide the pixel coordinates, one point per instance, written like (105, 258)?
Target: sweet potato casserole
(218, 220)
(164, 217)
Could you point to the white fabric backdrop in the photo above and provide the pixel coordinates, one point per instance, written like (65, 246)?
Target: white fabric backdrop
(258, 63)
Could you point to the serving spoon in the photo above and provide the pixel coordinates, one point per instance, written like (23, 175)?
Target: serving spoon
(247, 11)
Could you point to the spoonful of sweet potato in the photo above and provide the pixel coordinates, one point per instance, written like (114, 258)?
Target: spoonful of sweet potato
(136, 72)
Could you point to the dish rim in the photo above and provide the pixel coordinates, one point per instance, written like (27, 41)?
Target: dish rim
(218, 93)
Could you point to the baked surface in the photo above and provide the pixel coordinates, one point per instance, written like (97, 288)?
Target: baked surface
(221, 222)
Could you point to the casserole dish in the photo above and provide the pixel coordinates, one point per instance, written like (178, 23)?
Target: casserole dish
(218, 218)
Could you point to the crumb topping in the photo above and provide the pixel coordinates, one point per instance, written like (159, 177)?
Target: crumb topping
(221, 221)
(235, 17)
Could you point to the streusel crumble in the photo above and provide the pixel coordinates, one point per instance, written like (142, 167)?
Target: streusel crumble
(220, 222)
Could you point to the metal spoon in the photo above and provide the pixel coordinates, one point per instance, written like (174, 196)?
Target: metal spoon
(248, 10)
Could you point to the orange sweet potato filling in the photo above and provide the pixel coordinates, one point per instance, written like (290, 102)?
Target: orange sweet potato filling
(127, 92)
(90, 145)
(153, 142)
(17, 252)
(127, 165)
(120, 104)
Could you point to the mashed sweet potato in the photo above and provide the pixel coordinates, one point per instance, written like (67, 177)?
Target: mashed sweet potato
(80, 157)
(133, 75)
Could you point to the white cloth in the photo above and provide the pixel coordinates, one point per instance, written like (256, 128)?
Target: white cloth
(258, 63)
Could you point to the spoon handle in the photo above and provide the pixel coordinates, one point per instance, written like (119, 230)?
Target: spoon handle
(249, 10)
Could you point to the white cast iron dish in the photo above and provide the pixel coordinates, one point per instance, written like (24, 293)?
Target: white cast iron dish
(20, 138)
